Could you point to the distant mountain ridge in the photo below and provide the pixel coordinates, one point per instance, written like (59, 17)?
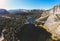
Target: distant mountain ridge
(3, 11)
(54, 10)
(18, 10)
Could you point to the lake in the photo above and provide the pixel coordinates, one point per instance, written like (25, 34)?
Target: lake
(31, 19)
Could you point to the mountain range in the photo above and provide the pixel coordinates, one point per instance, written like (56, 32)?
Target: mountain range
(54, 10)
(50, 18)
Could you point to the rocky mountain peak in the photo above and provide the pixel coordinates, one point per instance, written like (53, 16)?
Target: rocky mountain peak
(53, 21)
(54, 10)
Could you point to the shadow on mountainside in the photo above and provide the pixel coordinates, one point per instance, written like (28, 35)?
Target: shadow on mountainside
(1, 28)
(30, 32)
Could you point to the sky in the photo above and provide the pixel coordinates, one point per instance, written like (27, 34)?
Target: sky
(28, 4)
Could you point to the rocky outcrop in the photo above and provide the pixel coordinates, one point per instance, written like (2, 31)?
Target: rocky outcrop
(54, 10)
(53, 25)
(52, 21)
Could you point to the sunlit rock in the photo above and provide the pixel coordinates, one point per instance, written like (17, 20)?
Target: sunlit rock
(53, 25)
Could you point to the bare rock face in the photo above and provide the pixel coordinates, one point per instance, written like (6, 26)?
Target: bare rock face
(57, 9)
(53, 25)
(53, 21)
(50, 21)
(54, 10)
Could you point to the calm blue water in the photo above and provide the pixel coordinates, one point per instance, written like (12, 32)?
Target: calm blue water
(30, 19)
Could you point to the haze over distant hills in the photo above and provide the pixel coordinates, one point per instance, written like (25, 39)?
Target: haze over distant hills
(53, 10)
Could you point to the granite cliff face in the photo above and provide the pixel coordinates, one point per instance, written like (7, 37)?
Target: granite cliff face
(54, 10)
(53, 21)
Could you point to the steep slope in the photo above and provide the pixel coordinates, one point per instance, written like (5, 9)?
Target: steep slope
(51, 18)
(53, 25)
